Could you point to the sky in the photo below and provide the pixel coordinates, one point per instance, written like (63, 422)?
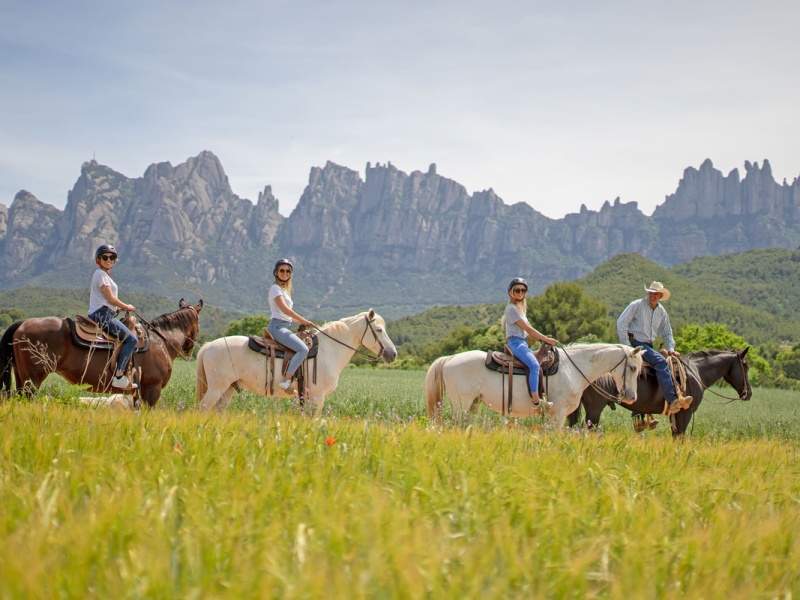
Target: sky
(556, 104)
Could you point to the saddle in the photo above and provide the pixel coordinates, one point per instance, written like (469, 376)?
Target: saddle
(272, 349)
(506, 364)
(88, 334)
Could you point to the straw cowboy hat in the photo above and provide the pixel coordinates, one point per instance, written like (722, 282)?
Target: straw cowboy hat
(658, 287)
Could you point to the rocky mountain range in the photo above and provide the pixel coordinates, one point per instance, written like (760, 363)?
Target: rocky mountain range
(394, 240)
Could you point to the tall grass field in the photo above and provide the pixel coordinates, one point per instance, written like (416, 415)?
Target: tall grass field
(374, 501)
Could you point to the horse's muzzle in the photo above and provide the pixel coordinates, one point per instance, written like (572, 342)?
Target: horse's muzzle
(389, 354)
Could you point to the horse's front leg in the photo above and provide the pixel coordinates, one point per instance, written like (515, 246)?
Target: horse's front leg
(314, 404)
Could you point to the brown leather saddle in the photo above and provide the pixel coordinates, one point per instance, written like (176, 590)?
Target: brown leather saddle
(88, 334)
(506, 364)
(273, 349)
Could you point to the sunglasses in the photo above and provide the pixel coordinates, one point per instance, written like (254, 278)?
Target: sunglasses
(518, 290)
(110, 257)
(284, 270)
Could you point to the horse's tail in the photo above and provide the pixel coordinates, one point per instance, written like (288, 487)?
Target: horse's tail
(7, 356)
(434, 386)
(202, 382)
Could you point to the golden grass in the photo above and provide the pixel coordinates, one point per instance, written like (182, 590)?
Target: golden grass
(164, 504)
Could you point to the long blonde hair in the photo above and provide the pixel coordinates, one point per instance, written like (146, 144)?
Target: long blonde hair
(524, 306)
(285, 286)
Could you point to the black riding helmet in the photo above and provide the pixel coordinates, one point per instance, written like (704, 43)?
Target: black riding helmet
(518, 281)
(282, 261)
(105, 249)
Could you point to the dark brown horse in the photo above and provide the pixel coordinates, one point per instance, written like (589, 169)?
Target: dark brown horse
(34, 348)
(703, 369)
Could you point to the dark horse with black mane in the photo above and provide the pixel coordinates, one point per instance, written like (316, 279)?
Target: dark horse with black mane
(703, 369)
(34, 348)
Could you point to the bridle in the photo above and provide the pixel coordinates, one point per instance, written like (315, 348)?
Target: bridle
(370, 357)
(596, 387)
(178, 351)
(742, 394)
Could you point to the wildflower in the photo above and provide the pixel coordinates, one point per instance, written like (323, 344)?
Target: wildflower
(330, 440)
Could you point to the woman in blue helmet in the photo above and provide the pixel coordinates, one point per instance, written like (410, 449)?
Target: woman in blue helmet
(517, 330)
(103, 305)
(282, 316)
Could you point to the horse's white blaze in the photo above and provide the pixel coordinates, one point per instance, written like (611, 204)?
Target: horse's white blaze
(228, 361)
(466, 379)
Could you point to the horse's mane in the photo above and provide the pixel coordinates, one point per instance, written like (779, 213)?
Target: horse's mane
(179, 319)
(709, 353)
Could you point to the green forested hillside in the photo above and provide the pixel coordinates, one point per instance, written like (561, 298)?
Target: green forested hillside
(753, 301)
(755, 293)
(38, 302)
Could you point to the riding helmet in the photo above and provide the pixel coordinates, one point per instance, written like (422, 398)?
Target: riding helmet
(517, 281)
(282, 261)
(105, 249)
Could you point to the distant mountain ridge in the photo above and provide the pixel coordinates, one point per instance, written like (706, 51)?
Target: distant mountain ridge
(394, 240)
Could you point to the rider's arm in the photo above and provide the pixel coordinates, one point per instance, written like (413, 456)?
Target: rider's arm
(666, 333)
(296, 317)
(524, 325)
(624, 322)
(108, 294)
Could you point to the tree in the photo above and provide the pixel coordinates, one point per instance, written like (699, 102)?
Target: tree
(717, 336)
(252, 325)
(565, 312)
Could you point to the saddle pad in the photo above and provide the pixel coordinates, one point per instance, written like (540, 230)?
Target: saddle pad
(100, 343)
(256, 343)
(498, 361)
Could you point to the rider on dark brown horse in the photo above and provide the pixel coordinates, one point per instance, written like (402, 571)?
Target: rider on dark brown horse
(639, 325)
(103, 302)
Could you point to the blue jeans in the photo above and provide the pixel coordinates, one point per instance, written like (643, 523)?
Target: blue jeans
(523, 353)
(279, 330)
(656, 360)
(104, 317)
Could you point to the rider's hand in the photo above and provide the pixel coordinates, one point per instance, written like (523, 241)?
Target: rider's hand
(674, 353)
(129, 307)
(551, 341)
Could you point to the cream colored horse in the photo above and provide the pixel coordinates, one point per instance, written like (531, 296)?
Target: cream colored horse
(466, 380)
(227, 362)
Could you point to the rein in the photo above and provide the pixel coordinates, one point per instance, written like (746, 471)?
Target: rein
(370, 357)
(154, 329)
(592, 384)
(708, 388)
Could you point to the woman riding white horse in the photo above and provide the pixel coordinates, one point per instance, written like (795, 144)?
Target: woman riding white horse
(225, 364)
(466, 380)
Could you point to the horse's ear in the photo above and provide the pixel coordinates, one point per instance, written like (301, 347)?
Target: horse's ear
(637, 350)
(181, 303)
(199, 305)
(743, 353)
(371, 314)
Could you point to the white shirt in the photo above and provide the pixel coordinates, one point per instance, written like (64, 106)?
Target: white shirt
(645, 323)
(96, 298)
(275, 312)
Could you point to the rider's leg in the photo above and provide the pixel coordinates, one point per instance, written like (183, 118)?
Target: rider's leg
(104, 317)
(281, 333)
(659, 363)
(523, 353)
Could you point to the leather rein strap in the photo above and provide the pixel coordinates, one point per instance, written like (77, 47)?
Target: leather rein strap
(370, 357)
(592, 384)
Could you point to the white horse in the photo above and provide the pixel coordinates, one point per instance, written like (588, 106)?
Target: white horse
(466, 380)
(226, 363)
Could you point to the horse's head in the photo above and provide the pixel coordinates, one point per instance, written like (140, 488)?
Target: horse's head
(631, 367)
(736, 374)
(376, 338)
(192, 329)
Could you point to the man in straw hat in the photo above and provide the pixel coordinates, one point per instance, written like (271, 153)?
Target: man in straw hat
(639, 325)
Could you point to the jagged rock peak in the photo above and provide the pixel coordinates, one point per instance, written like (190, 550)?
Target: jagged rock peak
(25, 197)
(707, 165)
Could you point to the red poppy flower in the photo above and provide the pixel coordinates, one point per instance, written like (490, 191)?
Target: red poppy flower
(330, 440)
